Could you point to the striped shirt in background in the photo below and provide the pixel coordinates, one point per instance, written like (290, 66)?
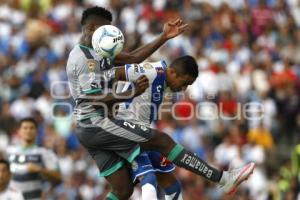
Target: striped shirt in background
(29, 183)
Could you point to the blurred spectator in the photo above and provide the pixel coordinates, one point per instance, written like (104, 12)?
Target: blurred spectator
(6, 191)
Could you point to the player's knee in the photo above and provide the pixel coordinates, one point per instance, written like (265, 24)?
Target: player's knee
(164, 142)
(159, 142)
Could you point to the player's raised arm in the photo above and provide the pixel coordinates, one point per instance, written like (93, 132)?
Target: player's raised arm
(171, 29)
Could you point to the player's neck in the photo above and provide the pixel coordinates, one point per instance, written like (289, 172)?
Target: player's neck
(27, 144)
(86, 41)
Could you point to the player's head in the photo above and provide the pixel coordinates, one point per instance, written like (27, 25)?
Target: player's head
(28, 130)
(182, 72)
(4, 173)
(94, 17)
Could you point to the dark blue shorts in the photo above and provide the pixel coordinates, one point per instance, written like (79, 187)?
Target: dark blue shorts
(150, 161)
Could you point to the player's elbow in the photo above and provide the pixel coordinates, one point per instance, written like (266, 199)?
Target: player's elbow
(127, 58)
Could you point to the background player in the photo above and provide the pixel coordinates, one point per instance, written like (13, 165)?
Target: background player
(6, 191)
(30, 164)
(144, 110)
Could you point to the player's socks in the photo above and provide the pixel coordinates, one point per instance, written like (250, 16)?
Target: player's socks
(149, 184)
(190, 161)
(173, 192)
(111, 196)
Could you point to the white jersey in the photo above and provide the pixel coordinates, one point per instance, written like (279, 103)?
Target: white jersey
(11, 193)
(143, 109)
(30, 184)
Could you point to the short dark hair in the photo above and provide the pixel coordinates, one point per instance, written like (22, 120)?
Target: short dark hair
(95, 11)
(185, 65)
(5, 162)
(28, 119)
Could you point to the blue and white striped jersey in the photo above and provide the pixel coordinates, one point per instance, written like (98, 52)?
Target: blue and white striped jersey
(143, 109)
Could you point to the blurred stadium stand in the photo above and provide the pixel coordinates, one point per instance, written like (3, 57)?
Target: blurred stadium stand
(248, 52)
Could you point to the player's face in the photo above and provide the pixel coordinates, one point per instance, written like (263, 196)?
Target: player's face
(28, 132)
(4, 174)
(100, 22)
(181, 82)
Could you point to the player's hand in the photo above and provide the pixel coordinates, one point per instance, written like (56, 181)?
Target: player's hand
(141, 84)
(173, 28)
(33, 168)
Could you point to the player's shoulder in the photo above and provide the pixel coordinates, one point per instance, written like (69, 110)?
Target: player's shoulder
(14, 193)
(12, 189)
(12, 149)
(38, 150)
(76, 54)
(44, 150)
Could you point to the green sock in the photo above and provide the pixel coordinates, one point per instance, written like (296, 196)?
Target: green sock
(111, 196)
(190, 161)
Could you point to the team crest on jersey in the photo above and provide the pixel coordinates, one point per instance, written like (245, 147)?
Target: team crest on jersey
(91, 64)
(148, 66)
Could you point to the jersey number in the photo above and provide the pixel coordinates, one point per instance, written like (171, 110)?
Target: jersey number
(158, 88)
(128, 124)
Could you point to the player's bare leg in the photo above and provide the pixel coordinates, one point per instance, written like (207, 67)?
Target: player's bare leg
(121, 185)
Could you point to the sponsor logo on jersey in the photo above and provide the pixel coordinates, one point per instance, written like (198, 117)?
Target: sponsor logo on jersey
(142, 70)
(136, 68)
(143, 128)
(94, 85)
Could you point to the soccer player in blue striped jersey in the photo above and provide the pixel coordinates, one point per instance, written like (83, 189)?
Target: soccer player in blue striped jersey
(143, 110)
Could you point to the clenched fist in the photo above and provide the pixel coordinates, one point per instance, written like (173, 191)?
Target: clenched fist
(141, 84)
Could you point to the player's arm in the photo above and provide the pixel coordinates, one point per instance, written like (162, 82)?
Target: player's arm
(50, 170)
(140, 84)
(51, 175)
(170, 30)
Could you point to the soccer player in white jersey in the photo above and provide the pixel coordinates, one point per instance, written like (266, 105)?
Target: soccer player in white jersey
(7, 192)
(143, 110)
(30, 164)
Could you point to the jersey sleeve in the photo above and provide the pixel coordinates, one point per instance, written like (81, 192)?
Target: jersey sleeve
(50, 160)
(134, 71)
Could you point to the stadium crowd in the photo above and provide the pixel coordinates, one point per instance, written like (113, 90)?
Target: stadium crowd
(244, 106)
